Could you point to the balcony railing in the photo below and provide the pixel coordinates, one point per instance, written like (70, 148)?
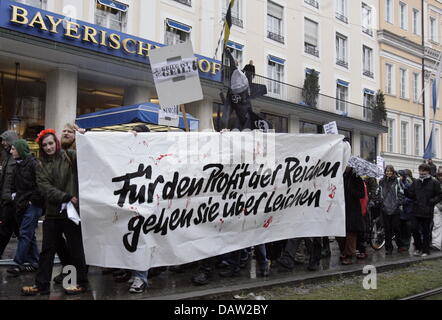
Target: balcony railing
(311, 50)
(430, 53)
(237, 21)
(342, 63)
(186, 2)
(368, 31)
(368, 73)
(290, 93)
(275, 36)
(313, 3)
(341, 17)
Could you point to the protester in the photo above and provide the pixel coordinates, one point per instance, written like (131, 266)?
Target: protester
(436, 235)
(249, 71)
(28, 204)
(426, 192)
(67, 142)
(353, 191)
(406, 217)
(10, 220)
(361, 252)
(392, 197)
(58, 181)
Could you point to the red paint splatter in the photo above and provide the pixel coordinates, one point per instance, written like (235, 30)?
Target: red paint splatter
(329, 207)
(332, 190)
(268, 222)
(163, 156)
(222, 221)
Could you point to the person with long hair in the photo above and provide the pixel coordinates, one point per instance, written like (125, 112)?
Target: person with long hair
(57, 179)
(392, 197)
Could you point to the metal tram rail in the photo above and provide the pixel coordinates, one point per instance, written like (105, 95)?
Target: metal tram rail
(423, 295)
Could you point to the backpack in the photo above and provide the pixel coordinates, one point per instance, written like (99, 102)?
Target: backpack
(364, 201)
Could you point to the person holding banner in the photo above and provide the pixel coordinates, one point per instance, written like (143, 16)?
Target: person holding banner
(354, 191)
(57, 179)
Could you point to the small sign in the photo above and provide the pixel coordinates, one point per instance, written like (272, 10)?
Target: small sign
(331, 128)
(168, 116)
(175, 72)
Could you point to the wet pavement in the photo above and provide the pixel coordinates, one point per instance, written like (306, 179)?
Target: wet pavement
(171, 285)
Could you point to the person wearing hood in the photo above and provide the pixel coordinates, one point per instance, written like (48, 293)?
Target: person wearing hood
(28, 204)
(392, 198)
(10, 220)
(426, 192)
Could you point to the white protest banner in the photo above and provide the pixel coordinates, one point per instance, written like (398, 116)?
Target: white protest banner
(175, 73)
(331, 128)
(158, 199)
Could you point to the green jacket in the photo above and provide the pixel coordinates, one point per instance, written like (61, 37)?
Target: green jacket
(57, 180)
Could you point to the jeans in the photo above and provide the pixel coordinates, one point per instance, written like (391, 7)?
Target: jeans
(392, 226)
(27, 250)
(140, 274)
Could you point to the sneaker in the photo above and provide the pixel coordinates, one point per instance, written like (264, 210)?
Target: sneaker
(417, 253)
(424, 255)
(138, 286)
(131, 280)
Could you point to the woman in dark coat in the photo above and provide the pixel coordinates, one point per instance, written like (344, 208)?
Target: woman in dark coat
(354, 191)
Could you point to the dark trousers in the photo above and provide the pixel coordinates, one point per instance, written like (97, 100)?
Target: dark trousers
(392, 226)
(11, 224)
(313, 247)
(347, 244)
(52, 229)
(62, 251)
(362, 236)
(406, 230)
(422, 234)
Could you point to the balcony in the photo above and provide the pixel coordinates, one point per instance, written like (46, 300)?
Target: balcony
(293, 94)
(341, 17)
(276, 37)
(237, 21)
(185, 2)
(342, 63)
(311, 50)
(368, 31)
(368, 73)
(313, 3)
(431, 54)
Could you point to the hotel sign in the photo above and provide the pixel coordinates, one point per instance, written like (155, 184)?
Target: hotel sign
(43, 24)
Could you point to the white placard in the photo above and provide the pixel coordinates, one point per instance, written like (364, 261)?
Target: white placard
(168, 116)
(158, 199)
(331, 128)
(175, 73)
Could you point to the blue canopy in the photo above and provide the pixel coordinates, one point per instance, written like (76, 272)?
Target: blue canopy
(143, 112)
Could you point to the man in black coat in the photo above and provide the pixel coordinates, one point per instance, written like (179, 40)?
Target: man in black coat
(10, 221)
(426, 192)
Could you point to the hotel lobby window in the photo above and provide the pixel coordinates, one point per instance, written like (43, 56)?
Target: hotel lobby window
(111, 14)
(176, 32)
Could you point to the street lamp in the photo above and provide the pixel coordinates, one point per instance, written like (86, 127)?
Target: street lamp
(15, 122)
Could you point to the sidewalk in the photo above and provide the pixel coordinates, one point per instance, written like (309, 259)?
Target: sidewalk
(172, 286)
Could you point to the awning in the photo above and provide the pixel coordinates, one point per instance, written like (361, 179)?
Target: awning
(143, 112)
(179, 26)
(343, 83)
(114, 4)
(276, 60)
(235, 45)
(368, 91)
